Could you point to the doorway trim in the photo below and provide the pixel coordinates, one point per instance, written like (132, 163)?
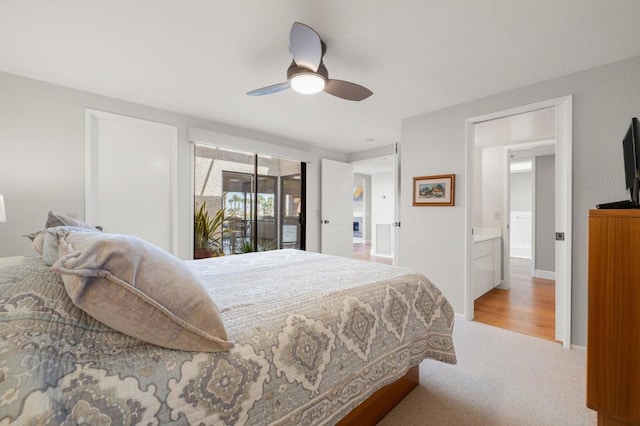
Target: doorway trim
(564, 139)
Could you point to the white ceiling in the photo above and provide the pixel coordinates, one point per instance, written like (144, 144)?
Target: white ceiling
(372, 166)
(200, 57)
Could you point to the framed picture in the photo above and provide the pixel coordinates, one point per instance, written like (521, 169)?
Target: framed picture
(434, 190)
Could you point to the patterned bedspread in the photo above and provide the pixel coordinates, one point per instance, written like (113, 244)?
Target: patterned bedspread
(315, 336)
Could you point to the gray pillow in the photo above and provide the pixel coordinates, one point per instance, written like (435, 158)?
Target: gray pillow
(47, 247)
(140, 290)
(45, 242)
(50, 250)
(54, 220)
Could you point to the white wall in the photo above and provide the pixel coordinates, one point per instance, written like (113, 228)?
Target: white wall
(520, 218)
(42, 137)
(521, 191)
(382, 206)
(433, 238)
(492, 187)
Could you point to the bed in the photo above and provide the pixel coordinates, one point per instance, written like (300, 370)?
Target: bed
(313, 337)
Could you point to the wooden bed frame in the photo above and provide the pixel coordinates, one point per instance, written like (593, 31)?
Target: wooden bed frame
(378, 405)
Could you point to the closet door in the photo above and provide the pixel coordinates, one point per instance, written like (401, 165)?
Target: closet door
(131, 177)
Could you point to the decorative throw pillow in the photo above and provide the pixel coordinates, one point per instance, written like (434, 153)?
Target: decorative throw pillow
(140, 290)
(54, 220)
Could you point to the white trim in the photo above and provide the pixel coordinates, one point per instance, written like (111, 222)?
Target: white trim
(397, 209)
(209, 137)
(521, 110)
(534, 214)
(564, 140)
(545, 275)
(506, 220)
(192, 197)
(468, 220)
(564, 132)
(387, 256)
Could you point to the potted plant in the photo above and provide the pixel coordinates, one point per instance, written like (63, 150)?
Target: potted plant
(207, 233)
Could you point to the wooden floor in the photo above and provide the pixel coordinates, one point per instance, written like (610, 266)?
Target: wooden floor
(362, 251)
(528, 307)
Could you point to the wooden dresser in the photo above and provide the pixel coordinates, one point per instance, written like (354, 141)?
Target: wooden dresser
(613, 346)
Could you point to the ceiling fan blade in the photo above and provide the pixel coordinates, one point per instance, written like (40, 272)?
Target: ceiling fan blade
(347, 90)
(275, 88)
(305, 46)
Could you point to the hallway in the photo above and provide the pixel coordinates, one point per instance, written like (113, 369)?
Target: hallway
(362, 251)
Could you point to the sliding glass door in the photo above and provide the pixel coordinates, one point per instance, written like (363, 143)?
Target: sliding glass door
(262, 198)
(291, 231)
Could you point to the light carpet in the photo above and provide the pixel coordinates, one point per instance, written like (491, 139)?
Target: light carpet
(502, 378)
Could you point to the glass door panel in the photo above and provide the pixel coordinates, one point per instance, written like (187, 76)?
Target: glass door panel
(267, 213)
(291, 225)
(238, 190)
(262, 198)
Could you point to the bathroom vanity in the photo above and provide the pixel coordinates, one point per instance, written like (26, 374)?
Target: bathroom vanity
(487, 263)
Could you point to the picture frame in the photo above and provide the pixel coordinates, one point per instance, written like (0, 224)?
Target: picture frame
(437, 190)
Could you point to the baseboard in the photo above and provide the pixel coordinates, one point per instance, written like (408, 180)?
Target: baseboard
(388, 256)
(578, 348)
(545, 275)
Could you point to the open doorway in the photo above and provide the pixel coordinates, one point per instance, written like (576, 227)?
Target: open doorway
(521, 215)
(506, 149)
(524, 297)
(373, 209)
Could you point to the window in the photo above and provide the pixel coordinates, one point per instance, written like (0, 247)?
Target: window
(262, 198)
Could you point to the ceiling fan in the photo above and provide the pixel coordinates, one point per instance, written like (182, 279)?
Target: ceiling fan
(307, 73)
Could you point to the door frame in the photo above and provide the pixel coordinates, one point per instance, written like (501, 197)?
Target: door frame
(397, 186)
(564, 139)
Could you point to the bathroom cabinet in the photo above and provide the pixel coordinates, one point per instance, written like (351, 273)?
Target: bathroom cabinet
(487, 264)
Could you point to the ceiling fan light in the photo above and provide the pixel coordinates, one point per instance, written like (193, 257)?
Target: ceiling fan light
(307, 83)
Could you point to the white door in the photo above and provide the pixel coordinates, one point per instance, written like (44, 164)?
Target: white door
(131, 177)
(396, 206)
(337, 208)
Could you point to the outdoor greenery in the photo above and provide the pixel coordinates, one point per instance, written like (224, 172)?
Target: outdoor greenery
(247, 246)
(235, 204)
(208, 230)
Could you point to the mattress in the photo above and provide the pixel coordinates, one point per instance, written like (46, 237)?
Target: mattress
(314, 335)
